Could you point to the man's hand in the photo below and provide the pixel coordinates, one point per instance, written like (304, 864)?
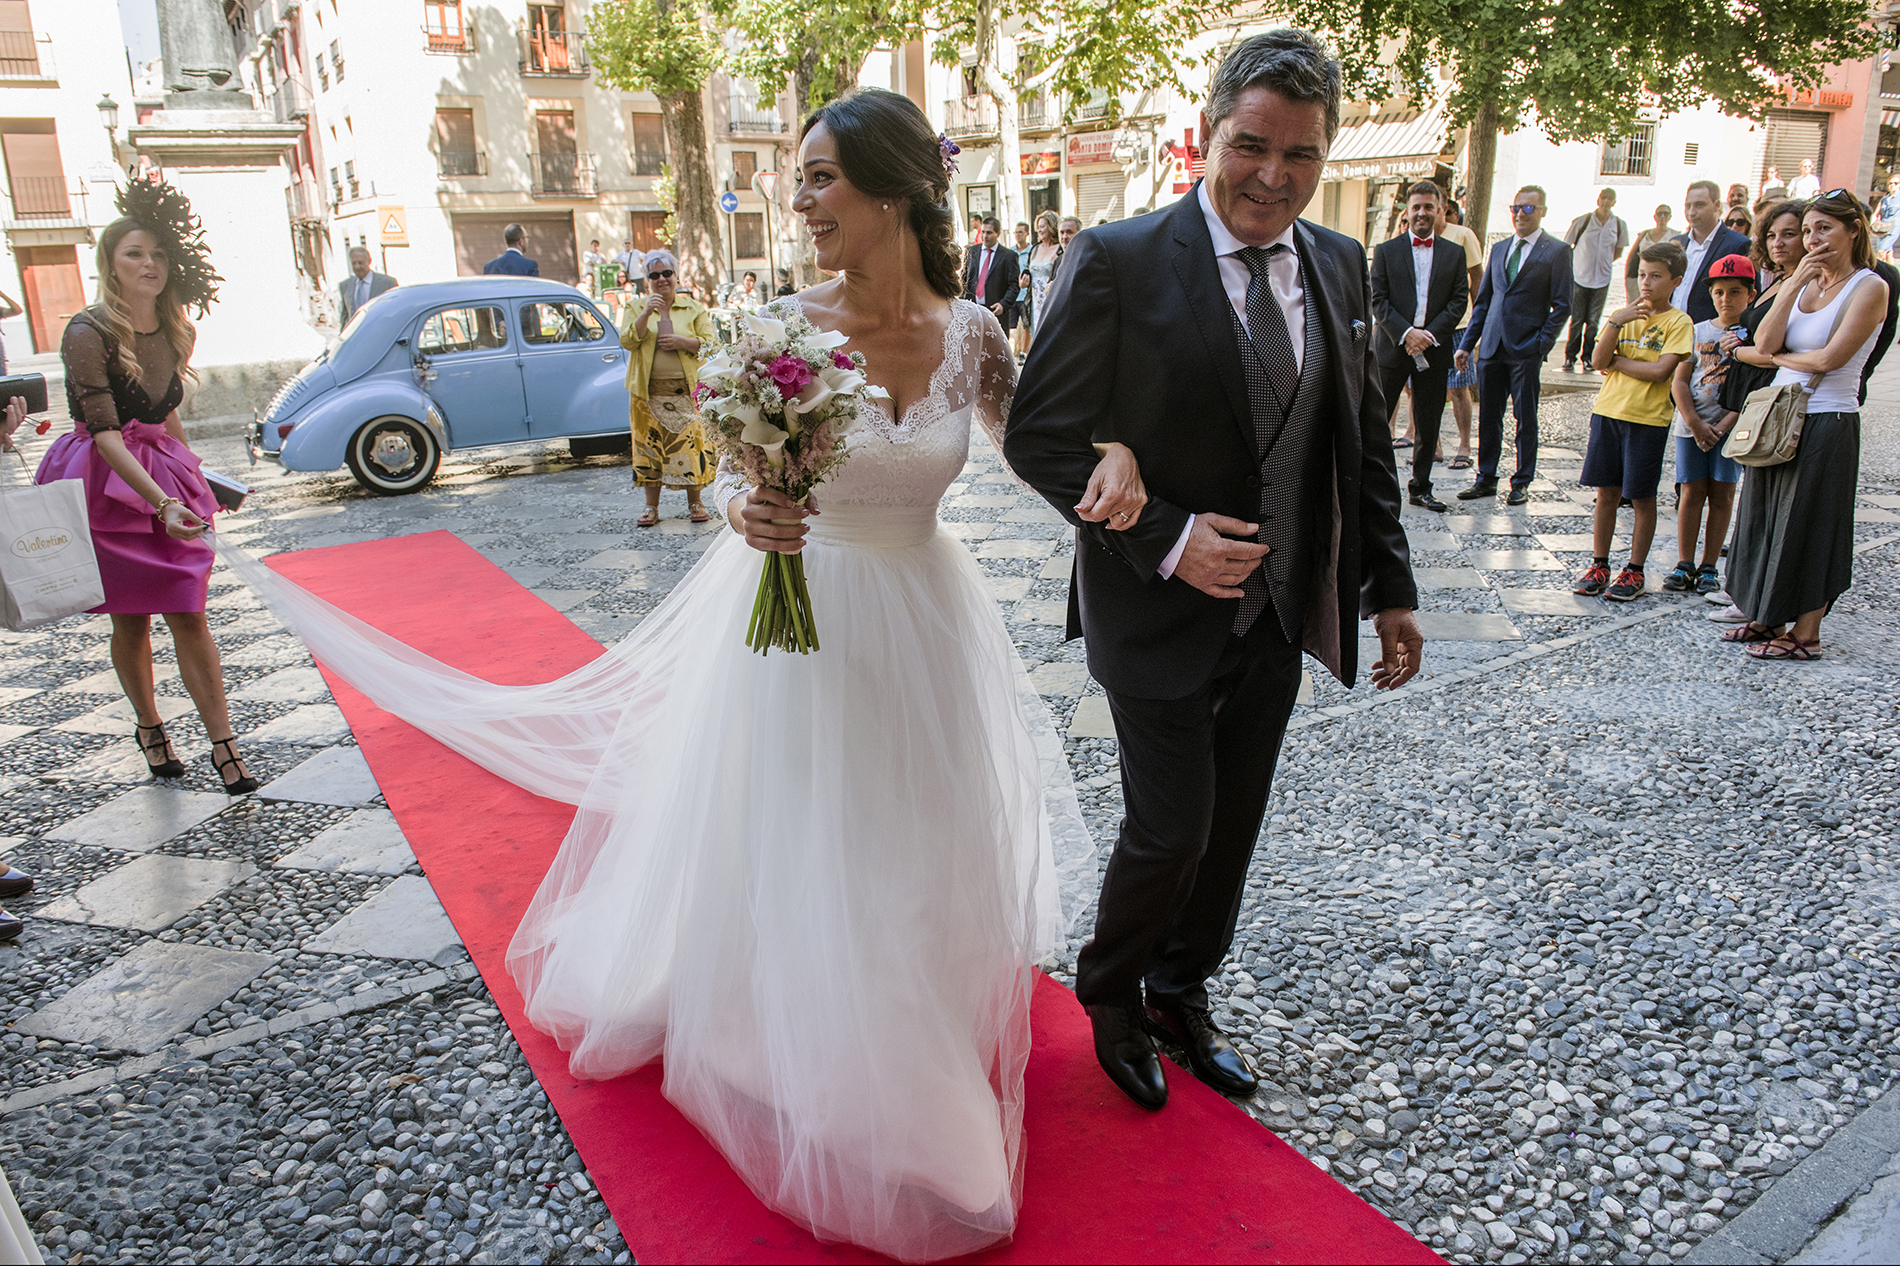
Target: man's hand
(1417, 342)
(997, 308)
(1213, 562)
(1462, 360)
(1401, 647)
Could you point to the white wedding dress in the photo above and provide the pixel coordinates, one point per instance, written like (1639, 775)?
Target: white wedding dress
(818, 885)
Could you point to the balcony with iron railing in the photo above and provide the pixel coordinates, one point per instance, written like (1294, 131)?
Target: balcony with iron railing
(40, 198)
(562, 175)
(562, 54)
(26, 55)
(969, 116)
(647, 162)
(1037, 110)
(451, 40)
(452, 162)
(752, 112)
(292, 101)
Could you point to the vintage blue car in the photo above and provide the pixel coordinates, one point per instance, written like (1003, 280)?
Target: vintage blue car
(427, 369)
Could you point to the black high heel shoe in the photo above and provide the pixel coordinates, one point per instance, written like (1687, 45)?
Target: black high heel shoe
(172, 768)
(245, 784)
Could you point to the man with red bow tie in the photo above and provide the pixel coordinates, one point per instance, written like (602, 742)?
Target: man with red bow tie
(1419, 290)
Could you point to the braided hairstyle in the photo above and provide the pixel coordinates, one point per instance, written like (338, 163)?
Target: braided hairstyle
(888, 150)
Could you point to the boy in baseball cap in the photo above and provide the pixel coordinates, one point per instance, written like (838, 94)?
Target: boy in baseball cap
(1705, 476)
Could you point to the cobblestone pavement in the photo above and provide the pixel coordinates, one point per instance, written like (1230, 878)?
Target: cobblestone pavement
(1566, 952)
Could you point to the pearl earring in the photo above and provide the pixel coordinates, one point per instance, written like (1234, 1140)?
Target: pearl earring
(887, 206)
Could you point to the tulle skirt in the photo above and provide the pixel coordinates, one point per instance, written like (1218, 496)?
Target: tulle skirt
(818, 885)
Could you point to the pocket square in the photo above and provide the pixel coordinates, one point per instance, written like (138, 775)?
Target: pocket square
(1358, 330)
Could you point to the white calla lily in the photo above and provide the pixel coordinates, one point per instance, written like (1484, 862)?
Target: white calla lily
(828, 339)
(762, 433)
(773, 332)
(720, 367)
(842, 381)
(811, 398)
(736, 407)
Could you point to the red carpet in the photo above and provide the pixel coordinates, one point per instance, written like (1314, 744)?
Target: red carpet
(1106, 1182)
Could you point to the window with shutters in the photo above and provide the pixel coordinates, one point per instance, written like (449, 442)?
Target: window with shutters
(1629, 155)
(445, 27)
(34, 172)
(323, 74)
(1691, 152)
(1792, 136)
(19, 51)
(748, 235)
(336, 62)
(647, 229)
(745, 162)
(456, 152)
(649, 144)
(349, 177)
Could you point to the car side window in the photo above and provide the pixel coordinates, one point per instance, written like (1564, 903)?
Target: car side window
(463, 330)
(548, 321)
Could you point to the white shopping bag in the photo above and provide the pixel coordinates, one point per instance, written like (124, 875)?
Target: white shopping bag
(47, 568)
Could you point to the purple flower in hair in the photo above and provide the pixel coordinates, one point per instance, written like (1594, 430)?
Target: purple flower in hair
(949, 149)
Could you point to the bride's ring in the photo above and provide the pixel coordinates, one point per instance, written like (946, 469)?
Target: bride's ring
(1121, 514)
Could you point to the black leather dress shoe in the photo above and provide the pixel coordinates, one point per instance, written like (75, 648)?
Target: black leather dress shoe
(15, 883)
(1518, 497)
(11, 926)
(1483, 488)
(1127, 1054)
(1428, 501)
(1211, 1056)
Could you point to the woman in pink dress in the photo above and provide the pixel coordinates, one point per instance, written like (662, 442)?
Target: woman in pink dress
(148, 504)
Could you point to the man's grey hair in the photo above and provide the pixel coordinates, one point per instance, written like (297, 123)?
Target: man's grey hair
(1292, 62)
(661, 256)
(352, 252)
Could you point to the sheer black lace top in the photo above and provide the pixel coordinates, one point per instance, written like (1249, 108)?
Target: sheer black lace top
(100, 393)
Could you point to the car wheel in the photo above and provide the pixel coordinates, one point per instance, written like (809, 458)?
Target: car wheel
(600, 445)
(393, 455)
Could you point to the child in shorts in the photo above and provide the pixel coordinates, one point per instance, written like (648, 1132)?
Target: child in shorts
(1702, 424)
(1629, 427)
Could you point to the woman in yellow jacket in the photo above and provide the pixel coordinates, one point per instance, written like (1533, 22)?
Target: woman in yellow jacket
(667, 336)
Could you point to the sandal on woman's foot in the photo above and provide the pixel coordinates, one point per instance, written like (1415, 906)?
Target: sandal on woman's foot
(1750, 632)
(648, 518)
(1460, 462)
(171, 766)
(244, 784)
(698, 514)
(1787, 647)
(1401, 442)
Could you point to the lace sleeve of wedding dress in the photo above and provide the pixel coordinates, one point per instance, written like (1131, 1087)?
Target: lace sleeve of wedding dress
(995, 382)
(727, 484)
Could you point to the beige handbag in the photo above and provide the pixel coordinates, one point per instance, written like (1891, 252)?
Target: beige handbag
(1769, 431)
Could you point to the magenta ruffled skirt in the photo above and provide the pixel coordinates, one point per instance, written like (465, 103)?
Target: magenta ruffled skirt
(146, 571)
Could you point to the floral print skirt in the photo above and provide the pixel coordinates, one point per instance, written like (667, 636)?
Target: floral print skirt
(670, 448)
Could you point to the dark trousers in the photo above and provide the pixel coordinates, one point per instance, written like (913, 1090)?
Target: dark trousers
(1586, 313)
(1195, 776)
(1428, 410)
(1517, 379)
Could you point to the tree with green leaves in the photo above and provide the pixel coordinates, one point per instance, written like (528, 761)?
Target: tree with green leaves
(1584, 71)
(663, 47)
(818, 49)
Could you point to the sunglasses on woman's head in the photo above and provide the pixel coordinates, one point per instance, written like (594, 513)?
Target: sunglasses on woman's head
(661, 276)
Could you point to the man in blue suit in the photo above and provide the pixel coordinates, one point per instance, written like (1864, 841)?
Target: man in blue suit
(1521, 307)
(513, 261)
(1707, 240)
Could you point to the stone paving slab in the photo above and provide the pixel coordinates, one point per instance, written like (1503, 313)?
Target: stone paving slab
(107, 682)
(1578, 542)
(336, 775)
(1009, 588)
(1443, 542)
(1060, 679)
(969, 531)
(1550, 602)
(1043, 611)
(116, 762)
(564, 599)
(368, 842)
(625, 560)
(142, 999)
(1866, 1234)
(1515, 560)
(142, 818)
(290, 685)
(1488, 524)
(1449, 578)
(1016, 549)
(117, 718)
(1060, 567)
(147, 893)
(404, 920)
(278, 650)
(10, 732)
(1092, 719)
(312, 725)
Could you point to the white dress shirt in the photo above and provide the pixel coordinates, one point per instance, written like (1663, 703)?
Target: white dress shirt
(985, 262)
(1422, 279)
(1523, 256)
(360, 295)
(1283, 271)
(1696, 251)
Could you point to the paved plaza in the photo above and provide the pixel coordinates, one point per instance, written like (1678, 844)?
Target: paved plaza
(1585, 947)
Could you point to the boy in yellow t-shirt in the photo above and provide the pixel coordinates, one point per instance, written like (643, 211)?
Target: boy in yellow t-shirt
(1629, 428)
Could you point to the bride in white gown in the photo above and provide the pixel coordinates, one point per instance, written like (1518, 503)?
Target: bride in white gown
(818, 885)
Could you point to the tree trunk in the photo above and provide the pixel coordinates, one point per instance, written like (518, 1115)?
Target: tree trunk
(1001, 89)
(697, 242)
(1481, 159)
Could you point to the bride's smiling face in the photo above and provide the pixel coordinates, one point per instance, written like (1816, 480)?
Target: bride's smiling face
(845, 223)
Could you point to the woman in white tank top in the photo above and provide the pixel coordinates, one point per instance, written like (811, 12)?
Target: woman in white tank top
(1793, 550)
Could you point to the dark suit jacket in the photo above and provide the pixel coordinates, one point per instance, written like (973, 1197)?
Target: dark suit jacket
(1883, 338)
(379, 283)
(1533, 307)
(1724, 241)
(1137, 343)
(1395, 292)
(512, 262)
(1005, 274)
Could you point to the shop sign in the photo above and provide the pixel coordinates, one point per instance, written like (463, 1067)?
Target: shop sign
(1092, 147)
(1046, 163)
(1381, 168)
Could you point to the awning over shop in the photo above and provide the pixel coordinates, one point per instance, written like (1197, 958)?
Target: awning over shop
(1890, 118)
(1384, 148)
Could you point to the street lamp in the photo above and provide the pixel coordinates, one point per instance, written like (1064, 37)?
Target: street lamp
(109, 117)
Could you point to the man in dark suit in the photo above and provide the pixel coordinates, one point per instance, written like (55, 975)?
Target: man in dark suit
(514, 260)
(1419, 290)
(991, 271)
(1228, 344)
(1522, 304)
(1707, 240)
(363, 284)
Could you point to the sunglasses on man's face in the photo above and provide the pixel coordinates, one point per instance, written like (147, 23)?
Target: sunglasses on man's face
(660, 276)
(1525, 208)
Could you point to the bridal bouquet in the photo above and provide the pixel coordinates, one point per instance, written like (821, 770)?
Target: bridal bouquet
(780, 401)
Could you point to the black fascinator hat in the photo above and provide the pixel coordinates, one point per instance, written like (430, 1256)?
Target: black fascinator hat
(166, 214)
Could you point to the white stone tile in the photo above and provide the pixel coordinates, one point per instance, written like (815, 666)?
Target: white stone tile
(147, 893)
(287, 685)
(336, 775)
(1552, 602)
(1038, 512)
(279, 650)
(1466, 626)
(107, 682)
(142, 818)
(1864, 515)
(685, 527)
(10, 732)
(968, 531)
(251, 622)
(234, 600)
(1061, 567)
(116, 762)
(306, 512)
(1443, 542)
(312, 725)
(624, 560)
(1305, 697)
(1052, 611)
(1016, 549)
(1009, 588)
(649, 581)
(404, 920)
(1577, 542)
(1514, 560)
(118, 718)
(13, 694)
(151, 994)
(1092, 719)
(983, 503)
(1488, 525)
(1449, 578)
(1884, 502)
(368, 842)
(563, 599)
(1060, 679)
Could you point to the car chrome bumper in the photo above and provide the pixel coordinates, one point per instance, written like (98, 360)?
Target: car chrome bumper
(254, 442)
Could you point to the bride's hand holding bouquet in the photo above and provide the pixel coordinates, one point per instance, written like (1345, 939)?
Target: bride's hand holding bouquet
(780, 402)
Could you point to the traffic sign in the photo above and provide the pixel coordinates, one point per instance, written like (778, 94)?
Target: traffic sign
(728, 202)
